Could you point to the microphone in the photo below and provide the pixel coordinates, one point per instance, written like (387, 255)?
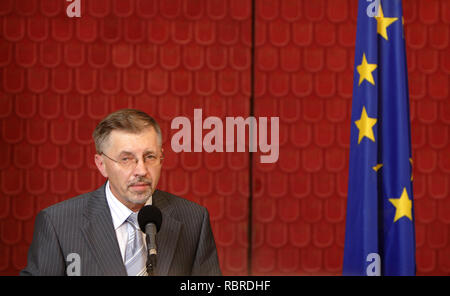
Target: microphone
(150, 220)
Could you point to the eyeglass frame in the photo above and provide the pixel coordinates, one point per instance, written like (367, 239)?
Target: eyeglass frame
(136, 160)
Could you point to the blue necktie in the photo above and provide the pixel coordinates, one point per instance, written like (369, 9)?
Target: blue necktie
(135, 253)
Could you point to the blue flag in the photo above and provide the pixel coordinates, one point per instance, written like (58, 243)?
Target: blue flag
(380, 236)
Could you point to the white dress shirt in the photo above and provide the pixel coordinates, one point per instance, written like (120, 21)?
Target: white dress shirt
(119, 214)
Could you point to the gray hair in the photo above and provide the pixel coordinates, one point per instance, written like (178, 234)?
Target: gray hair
(129, 120)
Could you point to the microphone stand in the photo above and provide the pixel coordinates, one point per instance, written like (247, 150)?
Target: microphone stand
(151, 264)
(151, 259)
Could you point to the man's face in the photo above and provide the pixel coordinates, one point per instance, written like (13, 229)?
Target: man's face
(135, 184)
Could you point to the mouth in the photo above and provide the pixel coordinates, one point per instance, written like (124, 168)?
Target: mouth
(140, 186)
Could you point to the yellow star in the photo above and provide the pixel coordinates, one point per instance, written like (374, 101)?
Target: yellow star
(377, 167)
(365, 70)
(365, 124)
(403, 206)
(383, 23)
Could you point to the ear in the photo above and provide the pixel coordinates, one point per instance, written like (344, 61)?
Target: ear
(100, 165)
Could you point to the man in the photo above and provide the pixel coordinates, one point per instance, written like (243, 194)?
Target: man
(99, 228)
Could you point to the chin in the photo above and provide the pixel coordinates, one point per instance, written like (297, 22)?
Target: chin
(141, 198)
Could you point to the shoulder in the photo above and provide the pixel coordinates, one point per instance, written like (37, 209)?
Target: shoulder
(71, 203)
(71, 207)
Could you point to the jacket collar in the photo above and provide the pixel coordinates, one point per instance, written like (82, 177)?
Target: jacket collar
(100, 235)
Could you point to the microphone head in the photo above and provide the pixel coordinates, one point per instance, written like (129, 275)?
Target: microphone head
(149, 214)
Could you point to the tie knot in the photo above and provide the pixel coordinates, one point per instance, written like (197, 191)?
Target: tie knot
(133, 219)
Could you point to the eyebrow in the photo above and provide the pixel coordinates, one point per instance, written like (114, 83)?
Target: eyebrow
(147, 152)
(125, 153)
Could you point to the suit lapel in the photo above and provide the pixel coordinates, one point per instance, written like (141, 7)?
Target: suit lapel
(100, 236)
(167, 237)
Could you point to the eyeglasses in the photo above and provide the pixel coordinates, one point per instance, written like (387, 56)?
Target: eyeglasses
(130, 162)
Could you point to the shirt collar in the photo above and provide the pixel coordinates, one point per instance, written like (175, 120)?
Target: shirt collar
(119, 212)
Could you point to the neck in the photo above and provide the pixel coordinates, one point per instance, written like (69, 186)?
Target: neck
(134, 207)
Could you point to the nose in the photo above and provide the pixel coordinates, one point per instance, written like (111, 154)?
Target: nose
(140, 169)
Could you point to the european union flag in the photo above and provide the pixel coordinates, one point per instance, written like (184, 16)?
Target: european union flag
(380, 237)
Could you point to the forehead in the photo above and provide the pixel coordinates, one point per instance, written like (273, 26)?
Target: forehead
(120, 141)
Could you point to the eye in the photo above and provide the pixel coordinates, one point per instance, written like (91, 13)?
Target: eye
(126, 159)
(150, 157)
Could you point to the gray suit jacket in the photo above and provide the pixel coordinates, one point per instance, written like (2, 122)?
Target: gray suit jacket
(83, 225)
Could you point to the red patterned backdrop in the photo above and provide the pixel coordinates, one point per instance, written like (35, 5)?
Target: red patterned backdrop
(60, 76)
